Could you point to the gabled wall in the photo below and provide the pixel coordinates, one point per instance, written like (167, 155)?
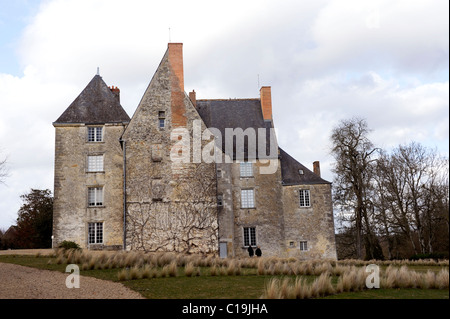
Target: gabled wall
(171, 205)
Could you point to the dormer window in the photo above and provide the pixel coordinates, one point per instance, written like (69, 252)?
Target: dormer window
(95, 134)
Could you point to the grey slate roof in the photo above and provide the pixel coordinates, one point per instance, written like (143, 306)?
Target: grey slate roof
(247, 113)
(96, 104)
(290, 172)
(234, 113)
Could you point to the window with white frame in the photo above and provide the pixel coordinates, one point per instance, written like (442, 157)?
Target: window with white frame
(95, 134)
(246, 169)
(304, 198)
(303, 245)
(249, 236)
(95, 196)
(247, 198)
(95, 163)
(95, 235)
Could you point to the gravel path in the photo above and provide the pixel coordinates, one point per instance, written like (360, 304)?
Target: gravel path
(19, 282)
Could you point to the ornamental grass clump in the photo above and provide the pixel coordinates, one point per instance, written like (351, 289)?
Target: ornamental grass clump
(272, 290)
(170, 270)
(352, 280)
(233, 268)
(122, 275)
(189, 269)
(301, 289)
(135, 273)
(213, 271)
(442, 279)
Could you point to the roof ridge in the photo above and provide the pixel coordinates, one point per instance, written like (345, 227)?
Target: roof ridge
(230, 99)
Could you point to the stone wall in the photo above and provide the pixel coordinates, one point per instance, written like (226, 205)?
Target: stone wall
(71, 213)
(266, 217)
(313, 224)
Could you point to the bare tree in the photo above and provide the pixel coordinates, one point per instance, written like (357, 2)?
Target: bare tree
(3, 171)
(353, 153)
(414, 181)
(391, 202)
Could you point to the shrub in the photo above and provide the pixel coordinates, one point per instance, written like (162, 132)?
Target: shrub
(68, 245)
(435, 256)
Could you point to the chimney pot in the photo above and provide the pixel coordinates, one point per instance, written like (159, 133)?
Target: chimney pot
(115, 90)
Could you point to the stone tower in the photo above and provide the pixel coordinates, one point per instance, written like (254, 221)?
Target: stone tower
(88, 186)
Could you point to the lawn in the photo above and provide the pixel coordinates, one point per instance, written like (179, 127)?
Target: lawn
(248, 284)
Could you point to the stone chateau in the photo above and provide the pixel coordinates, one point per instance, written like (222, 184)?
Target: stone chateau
(184, 174)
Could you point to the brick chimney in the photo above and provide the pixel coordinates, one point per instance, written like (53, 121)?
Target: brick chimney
(266, 102)
(176, 62)
(193, 98)
(115, 90)
(175, 58)
(316, 168)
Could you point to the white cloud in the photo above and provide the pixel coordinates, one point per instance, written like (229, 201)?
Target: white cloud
(411, 36)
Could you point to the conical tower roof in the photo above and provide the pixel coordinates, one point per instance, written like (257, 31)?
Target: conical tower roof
(96, 104)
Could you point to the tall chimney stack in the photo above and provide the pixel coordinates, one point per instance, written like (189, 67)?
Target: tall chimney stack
(316, 168)
(176, 63)
(266, 102)
(175, 59)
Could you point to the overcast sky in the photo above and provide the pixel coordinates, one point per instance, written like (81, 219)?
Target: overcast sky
(385, 61)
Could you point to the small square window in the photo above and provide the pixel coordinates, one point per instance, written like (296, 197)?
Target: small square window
(161, 114)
